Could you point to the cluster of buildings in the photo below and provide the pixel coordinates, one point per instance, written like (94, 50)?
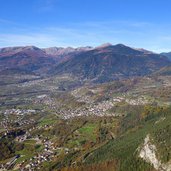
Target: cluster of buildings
(99, 109)
(36, 161)
(137, 101)
(8, 124)
(46, 155)
(24, 137)
(19, 111)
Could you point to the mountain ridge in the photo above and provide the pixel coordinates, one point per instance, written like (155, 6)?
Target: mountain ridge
(100, 64)
(167, 54)
(111, 62)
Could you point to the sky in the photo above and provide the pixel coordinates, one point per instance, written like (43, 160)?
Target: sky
(62, 23)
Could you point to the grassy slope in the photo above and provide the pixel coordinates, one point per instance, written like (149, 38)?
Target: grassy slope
(124, 149)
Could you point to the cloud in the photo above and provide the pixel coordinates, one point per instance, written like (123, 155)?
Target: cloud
(46, 5)
(26, 39)
(131, 33)
(56, 36)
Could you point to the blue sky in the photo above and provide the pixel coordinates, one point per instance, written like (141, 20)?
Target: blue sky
(46, 23)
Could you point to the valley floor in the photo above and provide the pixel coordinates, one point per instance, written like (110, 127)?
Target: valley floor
(57, 124)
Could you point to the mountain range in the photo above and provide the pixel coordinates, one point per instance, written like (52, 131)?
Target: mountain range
(100, 64)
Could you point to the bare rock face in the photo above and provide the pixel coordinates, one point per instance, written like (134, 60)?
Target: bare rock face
(148, 152)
